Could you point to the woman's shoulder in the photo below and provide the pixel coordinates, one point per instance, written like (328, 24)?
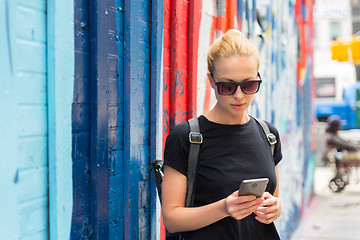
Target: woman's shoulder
(180, 132)
(181, 129)
(177, 147)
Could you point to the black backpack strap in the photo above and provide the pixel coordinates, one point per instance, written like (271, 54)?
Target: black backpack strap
(195, 139)
(158, 167)
(269, 135)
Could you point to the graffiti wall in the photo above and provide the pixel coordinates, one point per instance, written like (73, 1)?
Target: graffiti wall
(282, 31)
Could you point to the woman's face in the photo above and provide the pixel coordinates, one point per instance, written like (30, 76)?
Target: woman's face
(234, 69)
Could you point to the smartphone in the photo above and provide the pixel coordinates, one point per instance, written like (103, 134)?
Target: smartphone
(253, 187)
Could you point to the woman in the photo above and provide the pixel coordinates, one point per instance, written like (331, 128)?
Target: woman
(234, 148)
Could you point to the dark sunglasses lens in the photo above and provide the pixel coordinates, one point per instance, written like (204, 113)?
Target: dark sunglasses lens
(226, 88)
(250, 87)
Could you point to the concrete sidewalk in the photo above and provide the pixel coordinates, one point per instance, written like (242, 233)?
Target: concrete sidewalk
(331, 216)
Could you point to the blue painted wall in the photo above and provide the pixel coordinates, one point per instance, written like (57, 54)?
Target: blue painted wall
(99, 180)
(98, 121)
(32, 123)
(137, 29)
(116, 120)
(111, 113)
(36, 130)
(157, 10)
(81, 227)
(60, 80)
(111, 118)
(9, 225)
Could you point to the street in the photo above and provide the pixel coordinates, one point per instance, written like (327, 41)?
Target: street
(333, 216)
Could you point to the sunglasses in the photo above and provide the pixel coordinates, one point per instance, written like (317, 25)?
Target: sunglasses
(229, 88)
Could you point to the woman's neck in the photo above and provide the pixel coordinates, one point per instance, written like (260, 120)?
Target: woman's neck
(218, 116)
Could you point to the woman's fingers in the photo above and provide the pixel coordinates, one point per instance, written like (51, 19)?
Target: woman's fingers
(270, 210)
(239, 207)
(266, 219)
(246, 210)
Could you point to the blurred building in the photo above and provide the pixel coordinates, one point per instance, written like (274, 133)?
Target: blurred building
(355, 6)
(332, 20)
(336, 59)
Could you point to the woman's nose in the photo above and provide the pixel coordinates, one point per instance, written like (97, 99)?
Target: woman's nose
(238, 93)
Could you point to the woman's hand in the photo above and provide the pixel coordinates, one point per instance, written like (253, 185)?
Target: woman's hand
(239, 207)
(271, 209)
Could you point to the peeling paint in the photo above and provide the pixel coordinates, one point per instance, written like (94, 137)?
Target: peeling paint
(16, 177)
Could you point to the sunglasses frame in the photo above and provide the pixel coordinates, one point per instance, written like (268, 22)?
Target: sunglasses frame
(238, 84)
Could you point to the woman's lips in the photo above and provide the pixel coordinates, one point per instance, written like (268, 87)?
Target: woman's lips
(238, 106)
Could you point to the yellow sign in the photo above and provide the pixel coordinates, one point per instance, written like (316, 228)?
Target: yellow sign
(355, 49)
(346, 50)
(340, 51)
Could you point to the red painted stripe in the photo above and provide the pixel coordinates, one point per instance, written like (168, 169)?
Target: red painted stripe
(166, 69)
(179, 61)
(176, 96)
(302, 49)
(166, 84)
(231, 7)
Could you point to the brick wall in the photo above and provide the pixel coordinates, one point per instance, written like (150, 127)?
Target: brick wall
(30, 58)
(116, 121)
(137, 38)
(81, 225)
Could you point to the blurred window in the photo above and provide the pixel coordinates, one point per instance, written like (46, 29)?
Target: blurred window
(325, 88)
(335, 30)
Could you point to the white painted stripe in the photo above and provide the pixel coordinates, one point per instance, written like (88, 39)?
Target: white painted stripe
(60, 52)
(204, 44)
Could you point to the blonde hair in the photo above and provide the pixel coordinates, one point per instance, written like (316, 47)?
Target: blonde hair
(232, 43)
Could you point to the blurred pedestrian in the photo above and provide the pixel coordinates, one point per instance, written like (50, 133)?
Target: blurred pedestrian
(234, 148)
(351, 151)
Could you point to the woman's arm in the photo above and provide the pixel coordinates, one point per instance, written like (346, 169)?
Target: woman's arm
(276, 192)
(340, 143)
(178, 218)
